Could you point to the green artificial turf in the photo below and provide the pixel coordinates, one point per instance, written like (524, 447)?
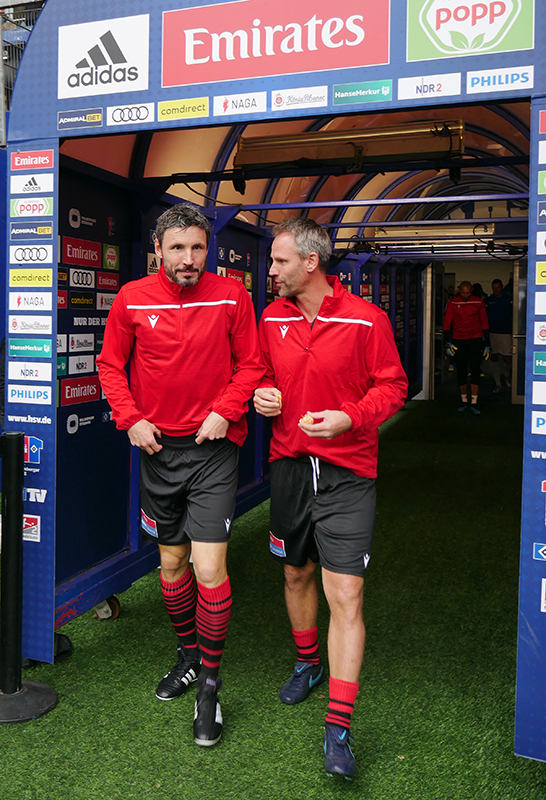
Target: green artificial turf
(435, 713)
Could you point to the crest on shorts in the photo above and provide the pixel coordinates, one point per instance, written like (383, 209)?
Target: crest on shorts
(284, 330)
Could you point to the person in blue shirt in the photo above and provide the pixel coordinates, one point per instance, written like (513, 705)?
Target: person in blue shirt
(499, 313)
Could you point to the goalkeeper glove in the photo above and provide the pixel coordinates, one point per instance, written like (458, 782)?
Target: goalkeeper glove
(450, 348)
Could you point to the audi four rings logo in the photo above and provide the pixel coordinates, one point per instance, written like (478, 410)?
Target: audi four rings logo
(78, 278)
(130, 114)
(31, 254)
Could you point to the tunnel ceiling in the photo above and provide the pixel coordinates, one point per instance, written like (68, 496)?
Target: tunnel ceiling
(495, 162)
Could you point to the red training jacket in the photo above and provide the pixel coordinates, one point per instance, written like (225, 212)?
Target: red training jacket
(467, 317)
(346, 361)
(191, 350)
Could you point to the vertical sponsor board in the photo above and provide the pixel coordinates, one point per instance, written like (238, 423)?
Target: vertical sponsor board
(31, 378)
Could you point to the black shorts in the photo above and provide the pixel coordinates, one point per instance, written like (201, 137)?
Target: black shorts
(187, 491)
(468, 358)
(322, 512)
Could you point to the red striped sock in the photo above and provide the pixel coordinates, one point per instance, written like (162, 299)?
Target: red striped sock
(213, 612)
(181, 600)
(307, 644)
(342, 702)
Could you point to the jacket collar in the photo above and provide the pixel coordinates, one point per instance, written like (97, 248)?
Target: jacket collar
(327, 301)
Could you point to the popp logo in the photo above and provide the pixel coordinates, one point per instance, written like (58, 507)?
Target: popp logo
(468, 27)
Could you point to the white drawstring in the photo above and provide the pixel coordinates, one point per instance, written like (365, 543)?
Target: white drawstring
(315, 463)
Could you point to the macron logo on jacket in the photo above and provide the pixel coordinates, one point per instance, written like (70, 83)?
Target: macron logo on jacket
(284, 330)
(153, 319)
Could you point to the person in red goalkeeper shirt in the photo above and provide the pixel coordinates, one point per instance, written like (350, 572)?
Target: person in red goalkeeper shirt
(466, 337)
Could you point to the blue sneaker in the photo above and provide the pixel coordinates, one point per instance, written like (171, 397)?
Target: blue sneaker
(338, 756)
(300, 683)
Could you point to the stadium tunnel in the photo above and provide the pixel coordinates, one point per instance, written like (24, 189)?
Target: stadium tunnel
(400, 230)
(405, 224)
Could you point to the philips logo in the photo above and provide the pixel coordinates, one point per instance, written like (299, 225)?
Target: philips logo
(104, 57)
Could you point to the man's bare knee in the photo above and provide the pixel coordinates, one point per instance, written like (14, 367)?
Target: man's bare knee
(299, 576)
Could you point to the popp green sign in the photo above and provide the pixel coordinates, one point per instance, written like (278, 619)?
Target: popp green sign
(448, 28)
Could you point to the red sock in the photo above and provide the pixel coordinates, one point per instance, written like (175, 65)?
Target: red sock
(307, 644)
(213, 612)
(181, 600)
(342, 702)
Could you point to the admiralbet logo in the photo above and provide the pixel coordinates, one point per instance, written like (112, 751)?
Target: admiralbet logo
(103, 57)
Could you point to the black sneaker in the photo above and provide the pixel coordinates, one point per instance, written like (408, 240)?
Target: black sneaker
(300, 683)
(207, 722)
(184, 672)
(338, 756)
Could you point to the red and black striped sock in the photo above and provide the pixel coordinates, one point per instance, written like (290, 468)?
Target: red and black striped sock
(342, 702)
(212, 617)
(181, 601)
(307, 644)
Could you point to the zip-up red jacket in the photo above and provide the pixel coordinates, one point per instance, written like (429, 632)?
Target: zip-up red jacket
(467, 317)
(192, 351)
(347, 360)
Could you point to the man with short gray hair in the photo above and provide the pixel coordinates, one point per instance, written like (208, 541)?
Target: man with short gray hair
(333, 375)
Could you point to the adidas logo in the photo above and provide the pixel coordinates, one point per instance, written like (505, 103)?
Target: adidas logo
(153, 320)
(32, 186)
(102, 66)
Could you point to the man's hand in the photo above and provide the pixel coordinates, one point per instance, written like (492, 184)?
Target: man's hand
(267, 402)
(332, 424)
(142, 434)
(214, 427)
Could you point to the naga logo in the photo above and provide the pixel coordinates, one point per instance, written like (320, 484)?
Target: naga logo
(103, 57)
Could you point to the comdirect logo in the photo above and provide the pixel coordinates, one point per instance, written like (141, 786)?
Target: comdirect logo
(103, 57)
(130, 115)
(446, 28)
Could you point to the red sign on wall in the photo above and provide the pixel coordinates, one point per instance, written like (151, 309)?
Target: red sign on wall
(253, 39)
(82, 252)
(32, 159)
(79, 390)
(542, 122)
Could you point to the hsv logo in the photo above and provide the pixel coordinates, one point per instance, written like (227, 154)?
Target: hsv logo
(253, 39)
(97, 58)
(32, 159)
(463, 27)
(153, 319)
(32, 449)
